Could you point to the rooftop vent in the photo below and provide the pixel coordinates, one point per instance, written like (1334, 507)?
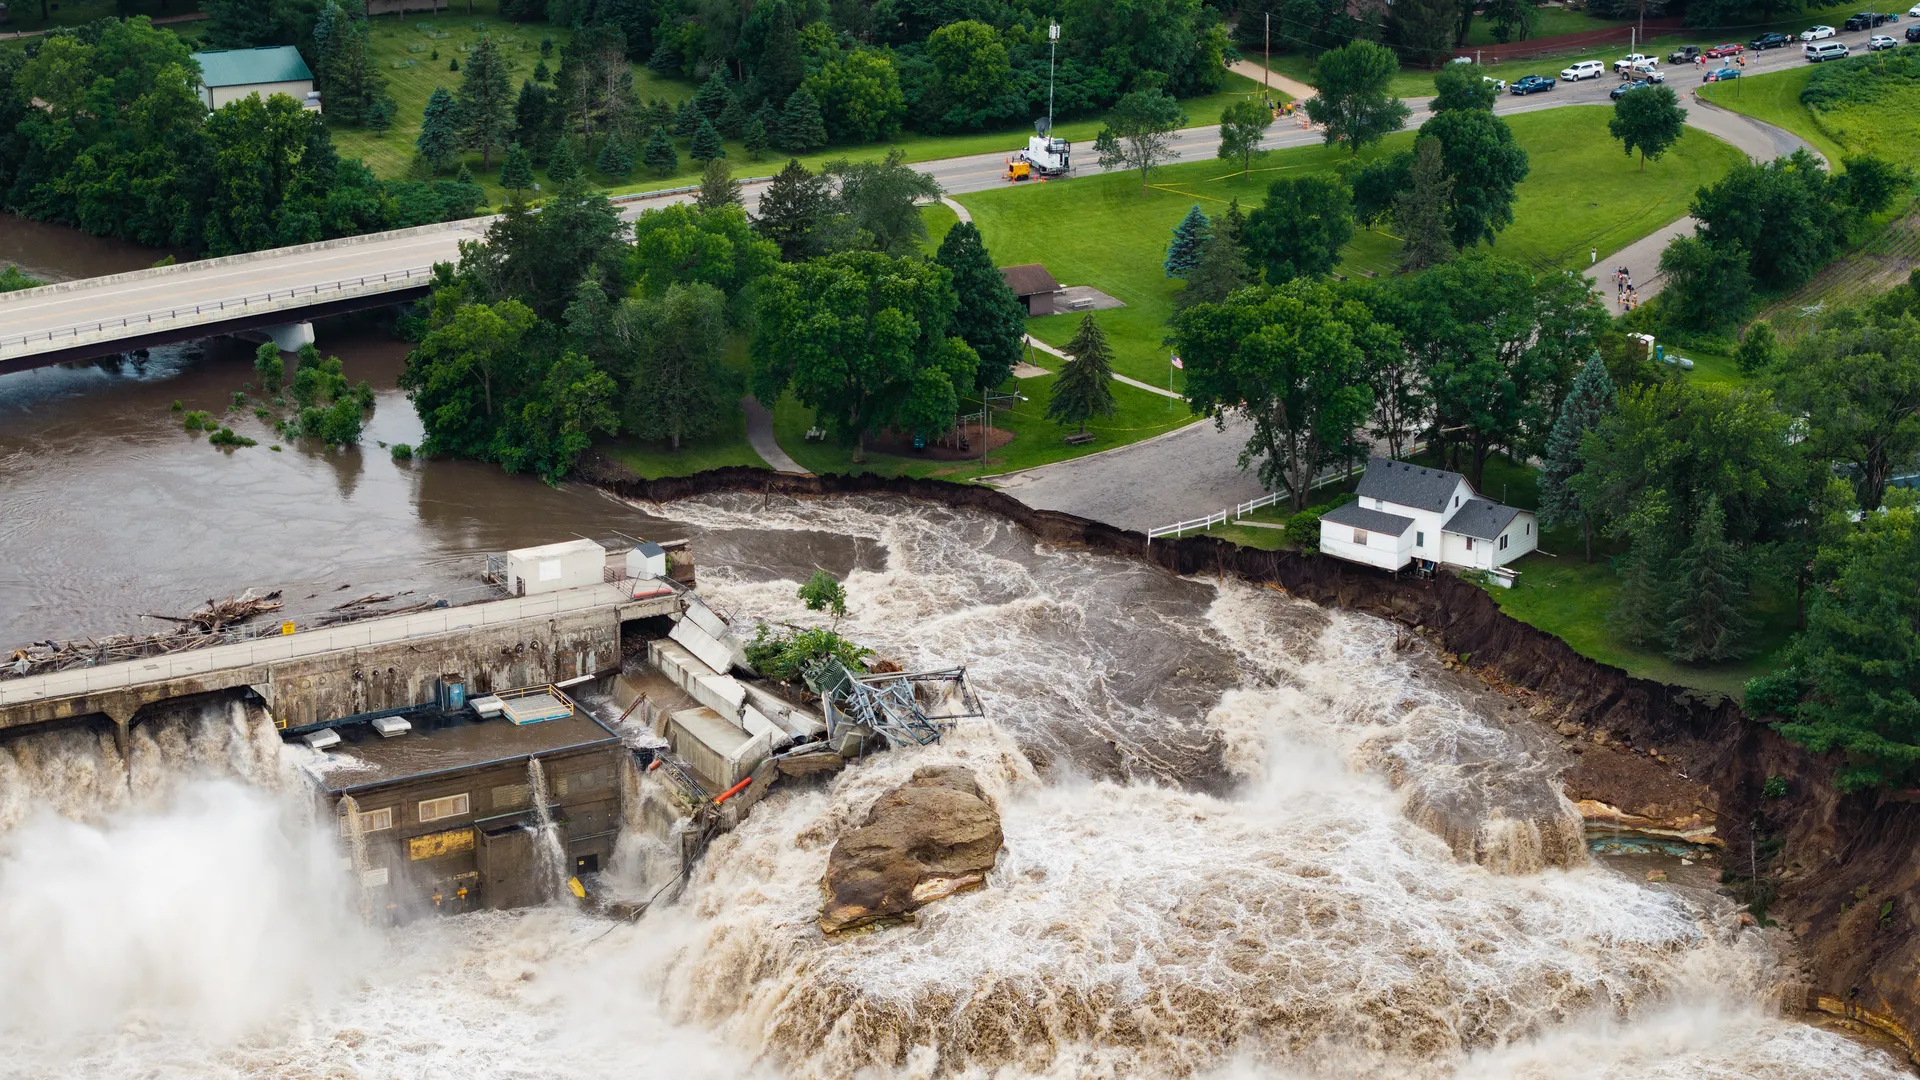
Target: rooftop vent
(320, 740)
(389, 726)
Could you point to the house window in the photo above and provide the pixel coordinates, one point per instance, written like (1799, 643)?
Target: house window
(1503, 541)
(1456, 502)
(1419, 539)
(1469, 543)
(451, 806)
(1529, 528)
(1379, 504)
(1360, 537)
(370, 821)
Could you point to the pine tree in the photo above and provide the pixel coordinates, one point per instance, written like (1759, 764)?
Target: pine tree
(439, 139)
(541, 73)
(718, 188)
(1222, 269)
(1587, 403)
(615, 158)
(781, 64)
(1759, 349)
(659, 114)
(486, 101)
(732, 120)
(1183, 254)
(1420, 213)
(1640, 604)
(563, 166)
(801, 126)
(1232, 224)
(659, 155)
(1084, 389)
(989, 318)
(464, 176)
(713, 95)
(706, 142)
(1707, 619)
(453, 63)
(790, 211)
(516, 173)
(686, 120)
(756, 138)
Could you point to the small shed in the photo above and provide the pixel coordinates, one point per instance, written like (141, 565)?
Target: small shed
(553, 567)
(1034, 286)
(232, 74)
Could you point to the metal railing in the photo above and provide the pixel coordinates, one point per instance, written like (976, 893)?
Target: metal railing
(216, 310)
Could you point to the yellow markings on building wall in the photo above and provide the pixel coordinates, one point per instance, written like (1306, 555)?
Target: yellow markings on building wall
(433, 845)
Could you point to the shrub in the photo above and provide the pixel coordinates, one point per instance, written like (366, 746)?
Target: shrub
(786, 657)
(1774, 788)
(1303, 529)
(226, 437)
(402, 451)
(198, 420)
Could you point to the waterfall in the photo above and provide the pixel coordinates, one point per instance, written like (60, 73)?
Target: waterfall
(550, 857)
(356, 829)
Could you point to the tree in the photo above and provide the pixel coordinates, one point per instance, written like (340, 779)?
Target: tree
(1183, 253)
(732, 121)
(270, 366)
(757, 138)
(1785, 214)
(790, 211)
(1462, 86)
(1852, 677)
(1353, 105)
(485, 101)
(970, 67)
(706, 144)
(1485, 165)
(239, 24)
(1581, 411)
(718, 247)
(989, 318)
(862, 339)
(1758, 350)
(687, 120)
(1242, 125)
(718, 188)
(877, 206)
(1859, 389)
(678, 386)
(713, 96)
(822, 593)
(1291, 360)
(463, 373)
(356, 92)
(1420, 212)
(1870, 184)
(562, 168)
(859, 95)
(536, 119)
(1377, 186)
(781, 66)
(1084, 389)
(539, 259)
(658, 154)
(516, 172)
(1140, 132)
(439, 141)
(616, 158)
(1222, 269)
(1423, 29)
(1706, 287)
(1649, 120)
(801, 126)
(556, 419)
(1706, 617)
(1300, 229)
(1395, 375)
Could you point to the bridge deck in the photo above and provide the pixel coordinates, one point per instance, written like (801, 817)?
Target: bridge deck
(199, 662)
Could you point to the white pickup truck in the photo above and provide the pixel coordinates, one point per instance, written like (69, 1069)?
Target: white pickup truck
(1633, 62)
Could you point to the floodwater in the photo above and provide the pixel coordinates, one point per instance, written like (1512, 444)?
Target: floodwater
(57, 253)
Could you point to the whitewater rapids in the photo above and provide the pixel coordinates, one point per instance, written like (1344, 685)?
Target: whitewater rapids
(1245, 838)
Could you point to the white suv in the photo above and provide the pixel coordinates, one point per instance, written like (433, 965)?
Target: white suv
(1585, 69)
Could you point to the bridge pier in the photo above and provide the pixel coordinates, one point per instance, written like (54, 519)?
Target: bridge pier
(289, 336)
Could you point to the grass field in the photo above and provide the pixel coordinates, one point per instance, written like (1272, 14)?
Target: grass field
(1775, 99)
(655, 460)
(1104, 231)
(404, 52)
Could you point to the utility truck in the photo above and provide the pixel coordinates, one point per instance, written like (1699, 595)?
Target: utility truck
(1044, 158)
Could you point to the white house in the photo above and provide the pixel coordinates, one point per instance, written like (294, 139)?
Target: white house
(231, 74)
(1410, 512)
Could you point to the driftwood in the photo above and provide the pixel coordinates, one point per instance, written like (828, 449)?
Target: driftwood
(222, 613)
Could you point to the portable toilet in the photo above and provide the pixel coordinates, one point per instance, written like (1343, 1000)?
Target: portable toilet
(553, 567)
(647, 560)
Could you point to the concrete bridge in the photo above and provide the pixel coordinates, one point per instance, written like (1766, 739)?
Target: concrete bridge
(354, 668)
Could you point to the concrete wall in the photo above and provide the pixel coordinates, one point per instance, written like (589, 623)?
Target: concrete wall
(216, 96)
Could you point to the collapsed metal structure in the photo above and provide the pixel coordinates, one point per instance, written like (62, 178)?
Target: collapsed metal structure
(894, 705)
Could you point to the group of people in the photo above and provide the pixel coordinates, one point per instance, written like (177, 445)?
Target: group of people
(1739, 60)
(1628, 296)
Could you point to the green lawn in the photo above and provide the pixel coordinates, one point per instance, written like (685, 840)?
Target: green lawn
(1104, 231)
(1775, 99)
(1036, 441)
(939, 219)
(655, 460)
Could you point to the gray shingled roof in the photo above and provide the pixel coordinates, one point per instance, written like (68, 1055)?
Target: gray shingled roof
(1480, 519)
(1360, 517)
(1409, 485)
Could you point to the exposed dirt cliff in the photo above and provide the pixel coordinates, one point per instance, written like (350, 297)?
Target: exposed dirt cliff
(1844, 867)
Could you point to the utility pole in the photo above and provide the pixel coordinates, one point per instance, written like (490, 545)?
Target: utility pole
(1267, 69)
(1053, 46)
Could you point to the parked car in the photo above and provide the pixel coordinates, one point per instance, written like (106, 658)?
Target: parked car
(1728, 49)
(1685, 54)
(1627, 62)
(1498, 84)
(1770, 41)
(1865, 20)
(1585, 69)
(1881, 42)
(1528, 84)
(1626, 88)
(1914, 12)
(1913, 33)
(1825, 50)
(1722, 75)
(1816, 33)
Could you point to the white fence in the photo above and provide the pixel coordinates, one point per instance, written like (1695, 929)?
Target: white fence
(1241, 510)
(217, 310)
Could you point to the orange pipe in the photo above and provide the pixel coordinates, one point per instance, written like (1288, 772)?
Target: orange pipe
(732, 791)
(653, 765)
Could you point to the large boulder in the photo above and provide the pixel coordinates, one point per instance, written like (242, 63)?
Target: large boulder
(933, 836)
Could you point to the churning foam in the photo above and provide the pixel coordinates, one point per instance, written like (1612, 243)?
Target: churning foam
(1199, 883)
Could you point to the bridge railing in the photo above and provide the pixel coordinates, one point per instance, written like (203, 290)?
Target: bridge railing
(214, 311)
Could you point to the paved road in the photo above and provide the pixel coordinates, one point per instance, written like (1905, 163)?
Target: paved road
(1186, 473)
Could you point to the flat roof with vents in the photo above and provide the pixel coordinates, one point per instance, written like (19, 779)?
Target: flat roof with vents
(365, 759)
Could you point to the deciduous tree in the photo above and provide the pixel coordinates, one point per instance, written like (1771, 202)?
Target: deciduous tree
(1462, 86)
(677, 386)
(877, 205)
(1242, 125)
(1353, 105)
(1300, 229)
(1649, 120)
(1485, 165)
(1140, 132)
(1859, 388)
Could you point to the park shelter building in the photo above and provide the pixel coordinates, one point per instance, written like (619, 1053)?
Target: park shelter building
(1412, 513)
(1034, 286)
(232, 74)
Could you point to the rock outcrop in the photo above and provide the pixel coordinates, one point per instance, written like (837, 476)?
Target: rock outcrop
(931, 837)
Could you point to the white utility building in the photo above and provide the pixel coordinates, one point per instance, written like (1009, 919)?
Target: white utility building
(552, 567)
(1411, 512)
(232, 74)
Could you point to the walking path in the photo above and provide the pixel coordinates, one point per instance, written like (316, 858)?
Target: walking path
(1117, 377)
(1291, 87)
(760, 437)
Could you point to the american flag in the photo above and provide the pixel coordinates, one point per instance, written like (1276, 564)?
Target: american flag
(1178, 364)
